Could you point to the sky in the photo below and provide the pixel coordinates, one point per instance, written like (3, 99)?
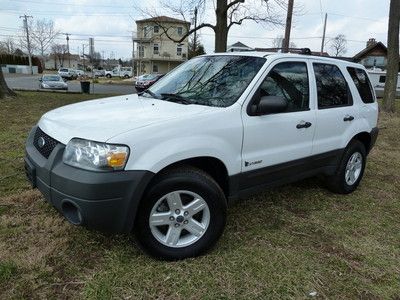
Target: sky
(112, 23)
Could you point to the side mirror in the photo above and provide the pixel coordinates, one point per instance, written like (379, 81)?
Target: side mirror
(40, 79)
(269, 105)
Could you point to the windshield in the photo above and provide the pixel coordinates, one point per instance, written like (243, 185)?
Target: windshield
(210, 80)
(51, 78)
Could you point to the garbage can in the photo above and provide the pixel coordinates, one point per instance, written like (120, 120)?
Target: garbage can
(85, 87)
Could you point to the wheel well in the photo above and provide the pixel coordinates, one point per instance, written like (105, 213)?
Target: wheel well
(365, 138)
(211, 165)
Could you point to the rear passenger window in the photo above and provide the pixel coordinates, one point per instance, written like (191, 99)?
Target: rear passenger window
(288, 80)
(362, 83)
(332, 87)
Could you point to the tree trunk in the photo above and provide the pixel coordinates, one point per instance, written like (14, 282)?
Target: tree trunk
(393, 57)
(221, 26)
(4, 90)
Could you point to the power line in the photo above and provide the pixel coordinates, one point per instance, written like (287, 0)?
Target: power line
(72, 4)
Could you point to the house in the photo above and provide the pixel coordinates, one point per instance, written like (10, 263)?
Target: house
(237, 47)
(156, 50)
(374, 55)
(56, 61)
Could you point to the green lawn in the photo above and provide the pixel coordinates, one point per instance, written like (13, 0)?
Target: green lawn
(286, 243)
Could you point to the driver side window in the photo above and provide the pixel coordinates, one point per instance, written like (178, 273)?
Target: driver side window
(288, 80)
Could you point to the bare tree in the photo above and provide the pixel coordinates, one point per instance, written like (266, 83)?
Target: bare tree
(43, 34)
(59, 52)
(277, 42)
(393, 57)
(7, 46)
(5, 91)
(339, 45)
(228, 13)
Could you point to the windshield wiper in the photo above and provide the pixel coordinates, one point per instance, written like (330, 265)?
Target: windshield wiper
(176, 98)
(150, 93)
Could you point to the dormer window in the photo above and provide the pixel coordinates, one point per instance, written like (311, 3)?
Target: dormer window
(156, 29)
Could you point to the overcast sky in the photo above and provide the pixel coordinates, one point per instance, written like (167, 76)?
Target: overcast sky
(111, 23)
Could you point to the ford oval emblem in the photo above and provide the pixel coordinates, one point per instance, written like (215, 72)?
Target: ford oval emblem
(41, 142)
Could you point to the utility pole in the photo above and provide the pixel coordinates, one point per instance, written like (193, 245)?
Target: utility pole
(286, 41)
(83, 56)
(323, 35)
(25, 17)
(195, 33)
(69, 54)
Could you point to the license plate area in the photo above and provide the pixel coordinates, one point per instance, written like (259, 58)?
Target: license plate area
(30, 172)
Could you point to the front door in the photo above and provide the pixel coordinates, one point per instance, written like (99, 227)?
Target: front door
(281, 138)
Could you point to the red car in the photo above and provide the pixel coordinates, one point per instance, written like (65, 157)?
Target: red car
(146, 81)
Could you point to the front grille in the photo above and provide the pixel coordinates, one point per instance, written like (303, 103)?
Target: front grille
(49, 143)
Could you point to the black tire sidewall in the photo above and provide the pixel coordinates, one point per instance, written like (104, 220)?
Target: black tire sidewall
(353, 147)
(196, 183)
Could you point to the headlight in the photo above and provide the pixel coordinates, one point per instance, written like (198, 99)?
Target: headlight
(95, 156)
(45, 85)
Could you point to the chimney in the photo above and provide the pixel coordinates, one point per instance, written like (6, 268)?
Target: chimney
(371, 42)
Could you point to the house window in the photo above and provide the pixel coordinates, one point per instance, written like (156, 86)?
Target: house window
(180, 30)
(156, 49)
(382, 79)
(155, 68)
(141, 51)
(179, 50)
(156, 29)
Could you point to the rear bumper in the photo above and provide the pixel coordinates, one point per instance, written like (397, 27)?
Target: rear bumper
(105, 201)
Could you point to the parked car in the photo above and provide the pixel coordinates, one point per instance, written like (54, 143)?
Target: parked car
(123, 72)
(66, 73)
(165, 164)
(79, 72)
(53, 82)
(143, 83)
(98, 73)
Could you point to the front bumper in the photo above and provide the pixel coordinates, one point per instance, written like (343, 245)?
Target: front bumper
(106, 201)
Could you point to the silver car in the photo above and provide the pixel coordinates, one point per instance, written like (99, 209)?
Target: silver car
(53, 82)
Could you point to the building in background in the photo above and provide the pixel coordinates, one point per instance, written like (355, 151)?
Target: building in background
(237, 47)
(154, 51)
(373, 56)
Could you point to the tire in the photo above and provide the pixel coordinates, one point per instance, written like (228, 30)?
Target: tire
(108, 76)
(192, 185)
(126, 76)
(338, 183)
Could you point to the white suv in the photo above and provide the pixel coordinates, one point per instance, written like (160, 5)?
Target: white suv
(165, 164)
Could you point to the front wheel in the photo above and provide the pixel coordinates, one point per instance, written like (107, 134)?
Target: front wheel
(350, 170)
(182, 215)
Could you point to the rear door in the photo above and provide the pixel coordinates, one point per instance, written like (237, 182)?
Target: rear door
(336, 113)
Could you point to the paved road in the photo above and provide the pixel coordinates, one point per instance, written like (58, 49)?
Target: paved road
(32, 82)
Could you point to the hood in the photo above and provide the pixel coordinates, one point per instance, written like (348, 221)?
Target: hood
(102, 119)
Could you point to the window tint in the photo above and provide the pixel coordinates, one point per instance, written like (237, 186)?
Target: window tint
(331, 86)
(290, 81)
(362, 83)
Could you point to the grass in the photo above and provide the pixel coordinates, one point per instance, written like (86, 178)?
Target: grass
(286, 243)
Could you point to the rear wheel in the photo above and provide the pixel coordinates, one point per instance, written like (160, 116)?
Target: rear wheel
(350, 170)
(182, 215)
(108, 76)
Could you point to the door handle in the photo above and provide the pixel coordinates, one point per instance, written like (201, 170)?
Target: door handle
(303, 124)
(348, 118)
